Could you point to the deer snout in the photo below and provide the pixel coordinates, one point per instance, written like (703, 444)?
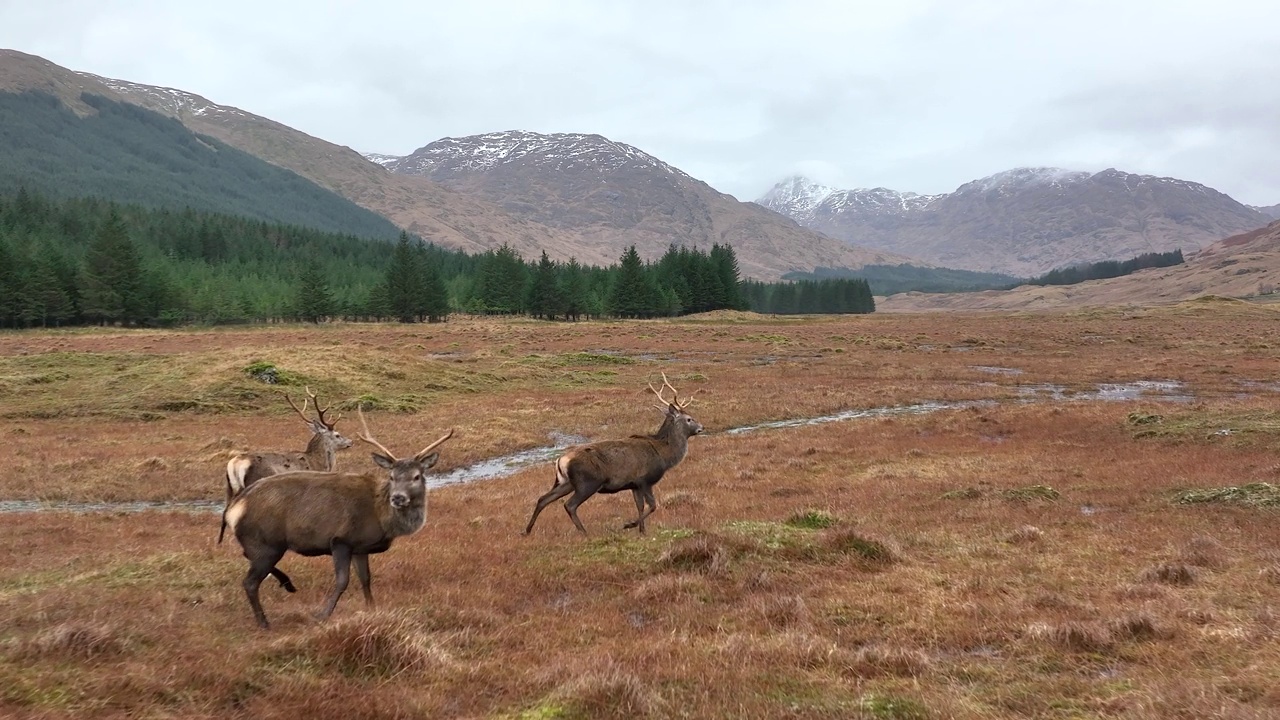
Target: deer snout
(695, 427)
(399, 500)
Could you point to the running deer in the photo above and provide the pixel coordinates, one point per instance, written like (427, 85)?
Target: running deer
(636, 463)
(348, 516)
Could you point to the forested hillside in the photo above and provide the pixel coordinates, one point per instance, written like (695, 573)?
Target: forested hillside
(126, 153)
(80, 261)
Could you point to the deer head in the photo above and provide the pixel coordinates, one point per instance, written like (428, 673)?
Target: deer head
(675, 408)
(321, 426)
(407, 478)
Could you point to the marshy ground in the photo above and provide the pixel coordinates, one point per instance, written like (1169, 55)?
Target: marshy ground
(1041, 550)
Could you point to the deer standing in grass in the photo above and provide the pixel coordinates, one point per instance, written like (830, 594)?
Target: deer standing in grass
(348, 516)
(636, 463)
(246, 468)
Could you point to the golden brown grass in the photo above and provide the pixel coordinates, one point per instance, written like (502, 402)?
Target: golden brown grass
(828, 571)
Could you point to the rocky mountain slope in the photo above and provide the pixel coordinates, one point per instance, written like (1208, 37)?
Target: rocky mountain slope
(1024, 221)
(612, 195)
(1243, 265)
(1271, 211)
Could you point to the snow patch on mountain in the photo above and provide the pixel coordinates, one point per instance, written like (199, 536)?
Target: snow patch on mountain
(170, 101)
(802, 199)
(560, 151)
(385, 161)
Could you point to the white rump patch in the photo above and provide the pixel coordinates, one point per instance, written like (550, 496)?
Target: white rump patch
(233, 515)
(237, 469)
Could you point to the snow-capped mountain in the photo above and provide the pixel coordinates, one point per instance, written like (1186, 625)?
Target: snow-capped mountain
(1023, 221)
(618, 195)
(554, 151)
(385, 161)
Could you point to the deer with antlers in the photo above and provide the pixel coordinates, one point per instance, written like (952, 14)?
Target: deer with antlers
(636, 463)
(348, 516)
(246, 468)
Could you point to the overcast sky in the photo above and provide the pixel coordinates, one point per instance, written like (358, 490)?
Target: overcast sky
(917, 95)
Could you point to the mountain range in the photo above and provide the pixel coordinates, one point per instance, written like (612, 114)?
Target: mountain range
(586, 196)
(1024, 221)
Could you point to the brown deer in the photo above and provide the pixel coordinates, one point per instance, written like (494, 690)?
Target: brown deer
(636, 463)
(246, 468)
(348, 516)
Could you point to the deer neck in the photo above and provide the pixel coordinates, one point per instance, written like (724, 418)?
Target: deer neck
(320, 454)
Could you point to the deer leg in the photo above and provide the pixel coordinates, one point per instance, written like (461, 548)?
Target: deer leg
(261, 561)
(639, 498)
(341, 576)
(578, 498)
(643, 496)
(554, 494)
(284, 580)
(362, 572)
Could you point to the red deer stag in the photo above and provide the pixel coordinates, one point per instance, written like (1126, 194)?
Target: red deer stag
(636, 464)
(246, 468)
(348, 516)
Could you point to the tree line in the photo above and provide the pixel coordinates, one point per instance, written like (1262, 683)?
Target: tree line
(1108, 269)
(92, 261)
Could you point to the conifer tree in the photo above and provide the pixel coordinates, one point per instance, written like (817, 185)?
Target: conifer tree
(112, 274)
(314, 300)
(545, 298)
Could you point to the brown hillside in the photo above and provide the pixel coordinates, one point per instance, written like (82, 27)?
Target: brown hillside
(1243, 265)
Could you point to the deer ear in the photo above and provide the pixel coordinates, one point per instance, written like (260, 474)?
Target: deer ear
(316, 426)
(383, 461)
(429, 461)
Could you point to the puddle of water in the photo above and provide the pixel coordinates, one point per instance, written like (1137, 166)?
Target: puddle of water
(992, 370)
(917, 409)
(507, 464)
(1166, 390)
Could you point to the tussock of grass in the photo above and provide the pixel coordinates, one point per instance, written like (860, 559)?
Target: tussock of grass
(1140, 626)
(969, 493)
(608, 693)
(1170, 573)
(376, 645)
(811, 520)
(74, 640)
(1072, 635)
(1029, 493)
(869, 551)
(701, 553)
(682, 498)
(1259, 494)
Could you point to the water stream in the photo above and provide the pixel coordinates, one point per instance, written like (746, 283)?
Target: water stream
(506, 465)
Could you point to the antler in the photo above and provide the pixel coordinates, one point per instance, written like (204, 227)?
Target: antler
(423, 452)
(368, 436)
(321, 411)
(301, 413)
(675, 395)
